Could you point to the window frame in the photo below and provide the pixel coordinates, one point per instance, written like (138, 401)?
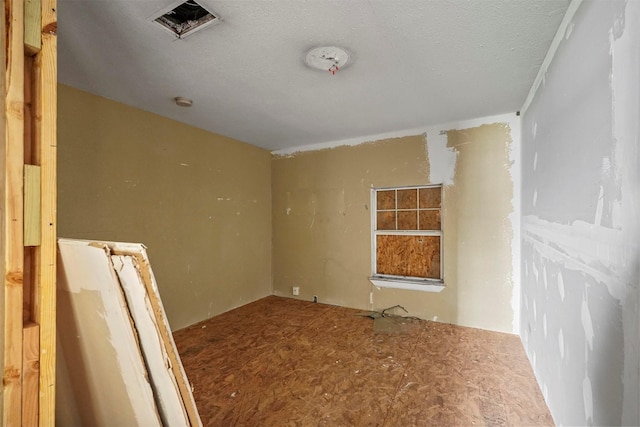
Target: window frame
(405, 282)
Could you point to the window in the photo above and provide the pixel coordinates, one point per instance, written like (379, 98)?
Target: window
(407, 237)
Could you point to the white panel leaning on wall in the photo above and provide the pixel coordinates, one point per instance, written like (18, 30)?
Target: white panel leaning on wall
(118, 362)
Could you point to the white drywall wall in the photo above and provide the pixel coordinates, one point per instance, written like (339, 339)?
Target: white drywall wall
(580, 259)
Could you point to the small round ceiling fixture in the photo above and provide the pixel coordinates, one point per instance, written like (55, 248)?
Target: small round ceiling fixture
(183, 102)
(327, 58)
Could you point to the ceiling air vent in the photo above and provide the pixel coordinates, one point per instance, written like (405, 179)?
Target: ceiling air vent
(184, 18)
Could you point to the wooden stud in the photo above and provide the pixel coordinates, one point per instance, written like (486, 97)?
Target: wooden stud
(32, 14)
(31, 205)
(12, 207)
(3, 192)
(31, 202)
(45, 104)
(30, 374)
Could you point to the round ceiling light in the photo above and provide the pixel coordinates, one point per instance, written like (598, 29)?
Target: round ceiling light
(183, 102)
(327, 58)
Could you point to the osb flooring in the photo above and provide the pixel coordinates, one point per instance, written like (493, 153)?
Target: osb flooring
(285, 362)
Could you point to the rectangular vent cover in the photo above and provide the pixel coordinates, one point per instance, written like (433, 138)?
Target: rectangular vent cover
(185, 18)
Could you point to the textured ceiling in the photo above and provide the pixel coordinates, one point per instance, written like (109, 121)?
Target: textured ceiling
(414, 63)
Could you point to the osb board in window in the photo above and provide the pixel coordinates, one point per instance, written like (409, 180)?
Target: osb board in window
(386, 220)
(407, 220)
(430, 220)
(386, 200)
(408, 199)
(430, 197)
(415, 256)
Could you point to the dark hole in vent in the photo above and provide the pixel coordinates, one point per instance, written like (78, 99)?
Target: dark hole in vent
(185, 18)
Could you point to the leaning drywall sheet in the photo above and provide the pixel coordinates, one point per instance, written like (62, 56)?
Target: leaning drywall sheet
(136, 257)
(155, 355)
(107, 383)
(127, 265)
(163, 380)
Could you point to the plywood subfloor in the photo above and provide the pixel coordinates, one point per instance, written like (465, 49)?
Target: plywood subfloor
(285, 362)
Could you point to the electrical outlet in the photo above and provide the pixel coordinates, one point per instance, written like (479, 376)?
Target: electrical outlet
(296, 290)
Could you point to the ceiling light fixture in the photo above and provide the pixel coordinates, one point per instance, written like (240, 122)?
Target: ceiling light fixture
(183, 102)
(327, 58)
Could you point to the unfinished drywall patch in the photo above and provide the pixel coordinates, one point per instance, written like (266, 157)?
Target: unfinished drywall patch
(587, 324)
(443, 168)
(580, 210)
(442, 158)
(565, 343)
(322, 222)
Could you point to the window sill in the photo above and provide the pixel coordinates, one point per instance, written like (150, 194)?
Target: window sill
(410, 284)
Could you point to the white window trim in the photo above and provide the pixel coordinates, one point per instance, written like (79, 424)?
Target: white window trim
(424, 285)
(402, 282)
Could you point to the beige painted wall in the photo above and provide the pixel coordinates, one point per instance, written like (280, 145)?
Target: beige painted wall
(200, 202)
(322, 218)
